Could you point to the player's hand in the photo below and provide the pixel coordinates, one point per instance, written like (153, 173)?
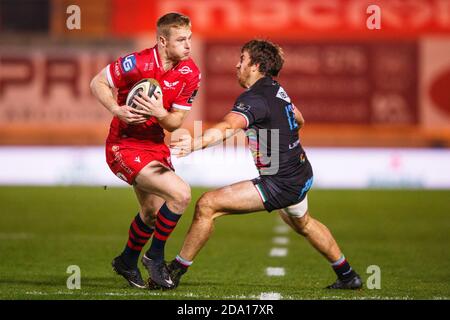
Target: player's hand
(127, 114)
(150, 107)
(183, 147)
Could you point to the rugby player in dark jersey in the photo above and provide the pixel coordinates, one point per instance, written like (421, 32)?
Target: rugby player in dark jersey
(271, 122)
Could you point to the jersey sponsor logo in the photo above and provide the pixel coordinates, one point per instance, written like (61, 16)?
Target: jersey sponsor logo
(294, 144)
(240, 106)
(283, 95)
(170, 85)
(306, 187)
(185, 70)
(148, 66)
(129, 63)
(293, 125)
(137, 159)
(117, 69)
(192, 97)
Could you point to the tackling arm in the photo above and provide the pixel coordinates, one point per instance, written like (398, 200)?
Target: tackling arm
(229, 126)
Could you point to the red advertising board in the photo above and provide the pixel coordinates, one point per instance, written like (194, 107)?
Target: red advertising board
(287, 18)
(332, 82)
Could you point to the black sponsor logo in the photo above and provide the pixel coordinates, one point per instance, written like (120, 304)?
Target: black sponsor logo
(191, 99)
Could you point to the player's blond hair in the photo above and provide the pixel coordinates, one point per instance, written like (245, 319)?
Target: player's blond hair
(171, 20)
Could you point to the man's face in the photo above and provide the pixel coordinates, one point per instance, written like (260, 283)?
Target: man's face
(178, 44)
(244, 69)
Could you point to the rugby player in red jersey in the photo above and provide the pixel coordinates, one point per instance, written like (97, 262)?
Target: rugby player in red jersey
(135, 148)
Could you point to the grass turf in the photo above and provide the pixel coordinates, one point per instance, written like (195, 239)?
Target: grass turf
(44, 230)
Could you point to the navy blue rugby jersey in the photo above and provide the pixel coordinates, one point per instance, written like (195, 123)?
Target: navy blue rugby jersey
(272, 131)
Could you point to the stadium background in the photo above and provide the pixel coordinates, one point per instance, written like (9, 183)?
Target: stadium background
(376, 104)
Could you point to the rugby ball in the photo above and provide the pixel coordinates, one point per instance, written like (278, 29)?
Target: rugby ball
(149, 86)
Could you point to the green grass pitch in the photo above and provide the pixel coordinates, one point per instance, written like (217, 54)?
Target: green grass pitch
(45, 230)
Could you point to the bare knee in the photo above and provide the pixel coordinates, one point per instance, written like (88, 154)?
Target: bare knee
(204, 208)
(180, 199)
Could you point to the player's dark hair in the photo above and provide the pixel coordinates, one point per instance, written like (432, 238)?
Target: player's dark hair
(172, 19)
(268, 55)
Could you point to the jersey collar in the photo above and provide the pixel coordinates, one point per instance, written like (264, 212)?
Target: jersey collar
(157, 58)
(262, 81)
(159, 63)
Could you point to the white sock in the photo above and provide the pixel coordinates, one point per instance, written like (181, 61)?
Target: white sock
(184, 262)
(336, 263)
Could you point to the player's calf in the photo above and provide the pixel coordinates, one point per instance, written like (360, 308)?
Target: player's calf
(320, 237)
(138, 235)
(149, 212)
(166, 221)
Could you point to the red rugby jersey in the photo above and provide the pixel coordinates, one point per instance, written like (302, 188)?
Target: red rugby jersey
(179, 87)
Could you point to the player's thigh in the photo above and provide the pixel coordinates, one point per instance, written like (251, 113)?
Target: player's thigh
(240, 197)
(161, 181)
(149, 203)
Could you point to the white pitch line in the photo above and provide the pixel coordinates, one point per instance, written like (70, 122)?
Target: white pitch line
(15, 236)
(278, 252)
(150, 293)
(275, 271)
(270, 296)
(231, 297)
(280, 240)
(25, 236)
(281, 229)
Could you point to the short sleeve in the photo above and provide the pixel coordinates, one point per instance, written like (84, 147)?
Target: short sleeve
(123, 72)
(253, 108)
(189, 92)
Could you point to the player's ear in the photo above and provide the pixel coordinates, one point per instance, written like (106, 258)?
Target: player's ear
(162, 40)
(254, 67)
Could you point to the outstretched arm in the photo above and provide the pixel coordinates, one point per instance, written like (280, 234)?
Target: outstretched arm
(229, 126)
